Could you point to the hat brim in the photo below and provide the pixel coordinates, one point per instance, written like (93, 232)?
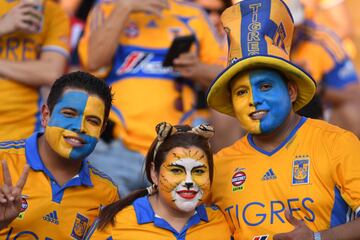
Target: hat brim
(219, 97)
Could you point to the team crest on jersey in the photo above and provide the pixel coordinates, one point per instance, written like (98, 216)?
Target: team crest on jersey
(238, 179)
(262, 237)
(24, 206)
(132, 30)
(79, 227)
(301, 170)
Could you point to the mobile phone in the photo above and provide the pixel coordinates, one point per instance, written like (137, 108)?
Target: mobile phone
(178, 46)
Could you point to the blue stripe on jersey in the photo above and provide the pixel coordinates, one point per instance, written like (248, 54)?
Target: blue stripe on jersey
(341, 75)
(339, 211)
(101, 174)
(287, 139)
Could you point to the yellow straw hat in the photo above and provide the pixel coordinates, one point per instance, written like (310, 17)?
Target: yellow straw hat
(259, 33)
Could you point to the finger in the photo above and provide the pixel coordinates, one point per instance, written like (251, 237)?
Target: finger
(291, 219)
(154, 10)
(22, 180)
(6, 174)
(7, 192)
(2, 197)
(30, 10)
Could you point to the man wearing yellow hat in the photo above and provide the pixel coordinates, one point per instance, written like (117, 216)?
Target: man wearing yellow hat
(290, 177)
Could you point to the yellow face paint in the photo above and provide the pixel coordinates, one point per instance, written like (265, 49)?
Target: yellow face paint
(243, 103)
(75, 124)
(184, 179)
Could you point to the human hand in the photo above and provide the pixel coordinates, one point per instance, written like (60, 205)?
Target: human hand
(149, 6)
(188, 65)
(24, 17)
(10, 196)
(301, 231)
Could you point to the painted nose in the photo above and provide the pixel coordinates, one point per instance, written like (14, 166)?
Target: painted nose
(188, 185)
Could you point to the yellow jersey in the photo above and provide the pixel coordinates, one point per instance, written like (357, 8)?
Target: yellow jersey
(19, 103)
(138, 221)
(319, 51)
(146, 92)
(50, 211)
(314, 173)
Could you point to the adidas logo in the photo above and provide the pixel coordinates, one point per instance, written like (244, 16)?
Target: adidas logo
(269, 175)
(51, 217)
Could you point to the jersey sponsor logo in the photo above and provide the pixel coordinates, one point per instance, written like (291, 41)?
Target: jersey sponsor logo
(269, 175)
(27, 234)
(132, 30)
(270, 212)
(51, 217)
(138, 62)
(262, 237)
(238, 179)
(301, 170)
(24, 206)
(152, 24)
(79, 227)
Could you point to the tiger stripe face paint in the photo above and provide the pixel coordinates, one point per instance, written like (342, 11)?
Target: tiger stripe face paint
(75, 124)
(261, 100)
(184, 179)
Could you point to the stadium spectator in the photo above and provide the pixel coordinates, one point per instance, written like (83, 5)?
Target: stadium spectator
(58, 195)
(134, 37)
(319, 51)
(179, 165)
(290, 177)
(33, 53)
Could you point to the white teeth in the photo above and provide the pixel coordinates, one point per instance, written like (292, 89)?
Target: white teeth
(258, 114)
(73, 140)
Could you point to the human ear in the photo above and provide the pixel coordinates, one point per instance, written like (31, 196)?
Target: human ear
(293, 91)
(154, 175)
(45, 115)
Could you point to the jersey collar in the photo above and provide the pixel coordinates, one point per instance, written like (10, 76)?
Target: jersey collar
(145, 214)
(35, 162)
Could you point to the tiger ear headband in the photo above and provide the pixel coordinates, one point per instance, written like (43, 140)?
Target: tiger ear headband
(164, 130)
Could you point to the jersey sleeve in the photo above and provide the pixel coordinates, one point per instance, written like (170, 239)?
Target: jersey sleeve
(345, 168)
(210, 47)
(57, 28)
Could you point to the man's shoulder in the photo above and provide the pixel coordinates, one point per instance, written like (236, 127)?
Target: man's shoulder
(233, 149)
(102, 181)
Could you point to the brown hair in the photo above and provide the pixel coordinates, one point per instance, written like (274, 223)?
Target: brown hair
(182, 138)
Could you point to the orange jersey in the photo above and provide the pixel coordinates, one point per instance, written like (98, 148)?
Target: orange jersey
(314, 173)
(320, 53)
(145, 91)
(50, 211)
(20, 103)
(139, 221)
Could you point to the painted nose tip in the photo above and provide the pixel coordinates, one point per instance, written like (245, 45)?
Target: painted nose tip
(189, 185)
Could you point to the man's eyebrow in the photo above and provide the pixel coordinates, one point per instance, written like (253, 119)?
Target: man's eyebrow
(69, 108)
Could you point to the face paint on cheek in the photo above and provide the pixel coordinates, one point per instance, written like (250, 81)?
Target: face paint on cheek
(276, 101)
(243, 103)
(184, 180)
(68, 132)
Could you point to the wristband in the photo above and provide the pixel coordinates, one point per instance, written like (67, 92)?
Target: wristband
(317, 236)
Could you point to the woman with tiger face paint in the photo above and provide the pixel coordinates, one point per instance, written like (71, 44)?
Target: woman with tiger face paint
(179, 164)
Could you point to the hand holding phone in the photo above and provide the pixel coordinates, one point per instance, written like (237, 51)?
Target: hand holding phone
(178, 46)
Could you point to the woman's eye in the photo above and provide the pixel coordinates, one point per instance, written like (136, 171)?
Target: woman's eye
(265, 87)
(199, 171)
(176, 170)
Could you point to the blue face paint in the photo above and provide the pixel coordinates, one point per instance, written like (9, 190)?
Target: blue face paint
(68, 132)
(270, 93)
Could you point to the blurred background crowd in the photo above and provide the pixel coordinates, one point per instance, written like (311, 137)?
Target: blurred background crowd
(113, 40)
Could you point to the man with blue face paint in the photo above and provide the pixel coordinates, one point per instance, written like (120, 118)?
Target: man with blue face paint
(59, 194)
(290, 177)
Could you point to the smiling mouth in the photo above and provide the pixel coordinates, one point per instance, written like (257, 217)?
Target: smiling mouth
(74, 141)
(258, 115)
(187, 194)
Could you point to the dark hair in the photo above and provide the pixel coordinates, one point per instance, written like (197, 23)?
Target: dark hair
(182, 138)
(227, 3)
(83, 81)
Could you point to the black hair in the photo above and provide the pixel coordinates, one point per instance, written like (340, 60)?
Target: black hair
(182, 138)
(82, 81)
